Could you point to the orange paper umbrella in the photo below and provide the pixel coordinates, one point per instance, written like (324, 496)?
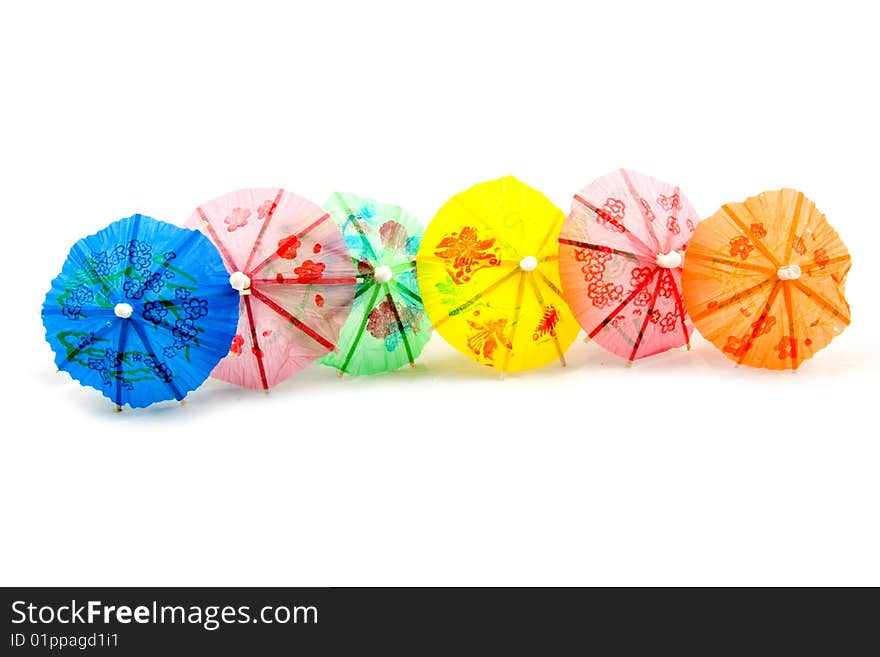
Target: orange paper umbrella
(764, 280)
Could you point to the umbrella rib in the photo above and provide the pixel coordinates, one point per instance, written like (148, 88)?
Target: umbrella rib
(550, 284)
(152, 354)
(405, 290)
(680, 305)
(357, 226)
(798, 207)
(274, 255)
(760, 322)
(540, 298)
(476, 297)
(314, 335)
(647, 319)
(831, 261)
(518, 313)
(635, 241)
(641, 286)
(120, 351)
(259, 238)
(257, 351)
(349, 280)
(733, 263)
(400, 325)
(755, 240)
(603, 249)
(786, 292)
(822, 301)
(357, 338)
(739, 296)
(227, 256)
(403, 266)
(638, 197)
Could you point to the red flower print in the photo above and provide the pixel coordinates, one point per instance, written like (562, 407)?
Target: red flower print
(319, 301)
(669, 203)
(235, 347)
(758, 230)
(820, 257)
(646, 210)
(309, 272)
(485, 339)
(667, 324)
(639, 275)
(643, 298)
(604, 294)
(465, 254)
(786, 347)
(666, 287)
(287, 247)
(654, 316)
(279, 277)
(672, 225)
(740, 246)
(594, 269)
(257, 352)
(547, 325)
(316, 248)
(236, 219)
(690, 225)
(611, 215)
(737, 347)
(393, 235)
(798, 245)
(265, 210)
(763, 325)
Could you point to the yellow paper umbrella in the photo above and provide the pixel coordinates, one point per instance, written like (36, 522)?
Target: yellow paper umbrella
(489, 276)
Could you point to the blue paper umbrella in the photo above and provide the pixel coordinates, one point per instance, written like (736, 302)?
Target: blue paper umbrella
(141, 311)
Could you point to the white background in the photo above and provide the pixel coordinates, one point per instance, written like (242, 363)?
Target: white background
(681, 470)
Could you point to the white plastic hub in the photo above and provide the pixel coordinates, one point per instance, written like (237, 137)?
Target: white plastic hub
(788, 273)
(382, 274)
(669, 260)
(240, 282)
(123, 310)
(529, 263)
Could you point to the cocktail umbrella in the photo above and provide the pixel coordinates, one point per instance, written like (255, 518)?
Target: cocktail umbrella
(295, 276)
(487, 270)
(764, 280)
(620, 261)
(388, 326)
(142, 311)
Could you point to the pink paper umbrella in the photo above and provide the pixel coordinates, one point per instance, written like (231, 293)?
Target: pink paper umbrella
(620, 255)
(289, 261)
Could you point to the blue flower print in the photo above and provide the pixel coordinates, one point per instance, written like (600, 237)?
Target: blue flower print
(185, 330)
(182, 293)
(154, 311)
(195, 308)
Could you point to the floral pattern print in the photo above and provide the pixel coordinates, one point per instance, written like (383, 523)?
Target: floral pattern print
(287, 247)
(486, 338)
(820, 257)
(466, 254)
(611, 215)
(383, 324)
(758, 230)
(740, 247)
(547, 325)
(669, 203)
(309, 271)
(786, 348)
(236, 219)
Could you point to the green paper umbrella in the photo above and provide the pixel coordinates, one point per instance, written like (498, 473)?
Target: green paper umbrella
(388, 327)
